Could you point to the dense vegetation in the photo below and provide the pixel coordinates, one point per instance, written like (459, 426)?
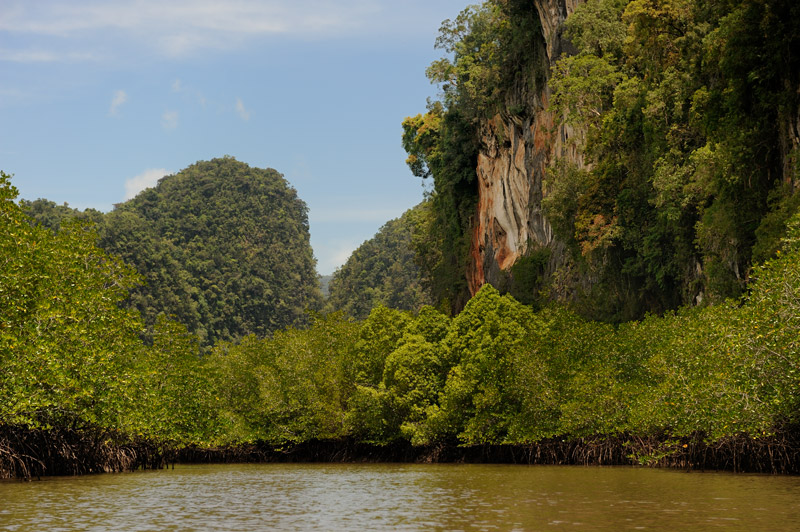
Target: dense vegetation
(72, 357)
(381, 271)
(686, 109)
(498, 372)
(687, 194)
(683, 105)
(221, 247)
(501, 373)
(51, 215)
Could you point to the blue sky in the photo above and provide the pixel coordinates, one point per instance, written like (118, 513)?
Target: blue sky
(100, 98)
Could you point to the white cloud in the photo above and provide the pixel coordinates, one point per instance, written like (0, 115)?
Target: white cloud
(169, 120)
(46, 56)
(120, 97)
(332, 254)
(341, 255)
(179, 27)
(241, 111)
(148, 178)
(177, 86)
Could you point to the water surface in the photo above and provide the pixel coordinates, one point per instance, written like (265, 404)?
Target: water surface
(402, 497)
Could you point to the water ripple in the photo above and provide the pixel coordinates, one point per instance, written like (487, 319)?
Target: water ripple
(400, 497)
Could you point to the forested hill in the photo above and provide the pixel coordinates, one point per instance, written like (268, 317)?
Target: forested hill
(221, 246)
(642, 153)
(382, 271)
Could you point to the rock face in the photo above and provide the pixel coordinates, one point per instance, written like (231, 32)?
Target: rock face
(790, 143)
(552, 14)
(515, 151)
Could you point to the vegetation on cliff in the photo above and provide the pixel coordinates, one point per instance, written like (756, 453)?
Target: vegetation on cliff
(494, 49)
(686, 111)
(683, 104)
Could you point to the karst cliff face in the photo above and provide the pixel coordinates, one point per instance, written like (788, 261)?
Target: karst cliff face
(790, 143)
(515, 151)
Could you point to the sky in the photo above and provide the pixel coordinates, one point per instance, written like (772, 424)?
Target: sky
(101, 98)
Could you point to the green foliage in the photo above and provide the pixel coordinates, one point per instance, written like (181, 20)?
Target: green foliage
(177, 404)
(421, 135)
(597, 29)
(528, 274)
(565, 184)
(679, 101)
(290, 388)
(440, 236)
(64, 341)
(583, 86)
(51, 215)
(400, 372)
(377, 338)
(382, 271)
(71, 355)
(471, 78)
(235, 384)
(783, 204)
(489, 43)
(369, 416)
(222, 246)
(305, 383)
(479, 401)
(412, 380)
(768, 328)
(499, 372)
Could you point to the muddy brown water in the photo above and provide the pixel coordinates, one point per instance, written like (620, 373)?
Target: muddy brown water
(402, 497)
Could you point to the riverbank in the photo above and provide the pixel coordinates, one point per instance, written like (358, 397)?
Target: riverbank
(30, 453)
(776, 454)
(27, 454)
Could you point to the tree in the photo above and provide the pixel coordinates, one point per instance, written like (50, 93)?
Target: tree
(66, 344)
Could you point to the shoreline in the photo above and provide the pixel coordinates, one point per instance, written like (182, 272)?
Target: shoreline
(27, 453)
(777, 455)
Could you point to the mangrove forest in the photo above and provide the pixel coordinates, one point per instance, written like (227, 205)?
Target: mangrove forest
(605, 269)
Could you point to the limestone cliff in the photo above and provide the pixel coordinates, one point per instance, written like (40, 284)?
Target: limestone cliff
(515, 151)
(790, 142)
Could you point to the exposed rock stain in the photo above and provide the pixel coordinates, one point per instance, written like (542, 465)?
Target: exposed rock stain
(515, 151)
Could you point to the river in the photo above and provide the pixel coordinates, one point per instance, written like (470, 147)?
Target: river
(402, 497)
